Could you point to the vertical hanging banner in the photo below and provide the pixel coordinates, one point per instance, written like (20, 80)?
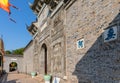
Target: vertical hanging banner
(110, 34)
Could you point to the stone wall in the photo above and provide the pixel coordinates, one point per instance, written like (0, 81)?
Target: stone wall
(97, 62)
(28, 59)
(43, 38)
(13, 58)
(58, 61)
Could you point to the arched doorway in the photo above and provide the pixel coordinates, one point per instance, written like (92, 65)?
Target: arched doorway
(13, 66)
(44, 57)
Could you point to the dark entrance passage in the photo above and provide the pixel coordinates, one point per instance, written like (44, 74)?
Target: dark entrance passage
(0, 64)
(12, 66)
(44, 47)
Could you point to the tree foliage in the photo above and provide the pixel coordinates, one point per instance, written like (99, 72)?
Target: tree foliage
(13, 64)
(8, 52)
(15, 52)
(18, 51)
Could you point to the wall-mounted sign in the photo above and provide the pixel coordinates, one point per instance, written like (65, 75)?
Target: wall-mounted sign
(13, 59)
(80, 44)
(110, 34)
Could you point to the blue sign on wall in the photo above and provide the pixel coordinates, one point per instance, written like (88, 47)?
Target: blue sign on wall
(110, 34)
(80, 43)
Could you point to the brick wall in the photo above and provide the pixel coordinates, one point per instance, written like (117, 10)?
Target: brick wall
(97, 62)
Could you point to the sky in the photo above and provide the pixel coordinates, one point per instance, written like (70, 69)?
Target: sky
(15, 35)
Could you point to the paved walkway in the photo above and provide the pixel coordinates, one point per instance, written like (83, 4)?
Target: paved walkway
(18, 78)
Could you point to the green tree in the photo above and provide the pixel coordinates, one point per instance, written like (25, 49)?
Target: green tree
(8, 52)
(18, 51)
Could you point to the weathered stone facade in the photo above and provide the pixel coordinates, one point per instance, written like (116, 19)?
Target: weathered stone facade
(97, 62)
(49, 43)
(55, 41)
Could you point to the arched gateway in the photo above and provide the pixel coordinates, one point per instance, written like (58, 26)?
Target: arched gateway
(13, 63)
(13, 66)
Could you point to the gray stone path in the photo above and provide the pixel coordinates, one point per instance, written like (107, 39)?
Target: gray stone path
(18, 78)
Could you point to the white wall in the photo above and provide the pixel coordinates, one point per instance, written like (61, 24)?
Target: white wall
(13, 58)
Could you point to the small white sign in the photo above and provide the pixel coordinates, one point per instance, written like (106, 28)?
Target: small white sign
(80, 44)
(56, 80)
(13, 59)
(110, 34)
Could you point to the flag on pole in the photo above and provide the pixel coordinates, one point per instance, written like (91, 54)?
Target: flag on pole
(5, 5)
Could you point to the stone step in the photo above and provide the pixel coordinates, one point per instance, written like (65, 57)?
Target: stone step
(39, 78)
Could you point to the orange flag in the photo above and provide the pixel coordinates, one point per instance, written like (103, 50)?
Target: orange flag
(5, 5)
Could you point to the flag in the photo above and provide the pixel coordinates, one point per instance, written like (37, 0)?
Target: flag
(5, 5)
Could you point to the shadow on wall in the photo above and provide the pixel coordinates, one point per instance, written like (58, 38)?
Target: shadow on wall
(101, 63)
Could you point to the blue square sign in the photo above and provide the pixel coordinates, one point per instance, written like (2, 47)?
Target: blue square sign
(80, 44)
(110, 34)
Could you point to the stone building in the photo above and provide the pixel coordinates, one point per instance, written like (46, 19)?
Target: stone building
(1, 55)
(77, 40)
(49, 39)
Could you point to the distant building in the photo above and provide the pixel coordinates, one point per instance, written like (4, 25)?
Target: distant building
(1, 55)
(10, 62)
(76, 40)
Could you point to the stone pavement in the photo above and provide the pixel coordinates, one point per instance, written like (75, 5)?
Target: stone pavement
(19, 78)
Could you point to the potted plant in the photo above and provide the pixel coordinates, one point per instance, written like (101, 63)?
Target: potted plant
(47, 77)
(33, 74)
